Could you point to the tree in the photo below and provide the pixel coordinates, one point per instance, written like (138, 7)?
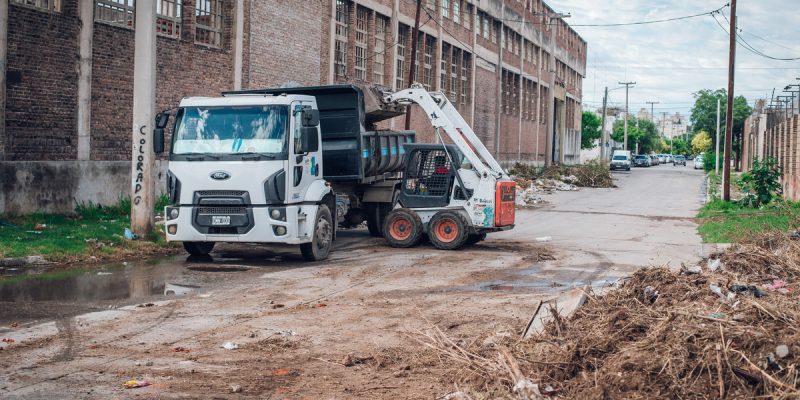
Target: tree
(701, 142)
(590, 129)
(679, 146)
(642, 132)
(704, 116)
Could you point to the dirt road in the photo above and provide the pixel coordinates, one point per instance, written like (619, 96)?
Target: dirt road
(349, 327)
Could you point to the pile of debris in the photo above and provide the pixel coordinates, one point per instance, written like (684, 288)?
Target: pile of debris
(530, 191)
(726, 329)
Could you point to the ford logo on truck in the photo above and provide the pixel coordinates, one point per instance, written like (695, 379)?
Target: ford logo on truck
(220, 175)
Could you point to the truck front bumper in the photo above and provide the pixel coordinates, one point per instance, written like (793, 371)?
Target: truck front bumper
(290, 227)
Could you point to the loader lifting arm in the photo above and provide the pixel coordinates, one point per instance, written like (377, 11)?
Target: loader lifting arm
(443, 115)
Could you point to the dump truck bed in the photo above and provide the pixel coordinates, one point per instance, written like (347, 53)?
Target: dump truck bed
(350, 152)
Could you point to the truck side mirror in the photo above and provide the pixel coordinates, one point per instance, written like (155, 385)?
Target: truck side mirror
(309, 140)
(161, 119)
(310, 117)
(158, 140)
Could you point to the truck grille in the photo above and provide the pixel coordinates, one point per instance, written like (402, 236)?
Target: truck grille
(226, 193)
(222, 210)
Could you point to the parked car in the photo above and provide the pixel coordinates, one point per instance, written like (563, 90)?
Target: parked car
(667, 158)
(679, 160)
(620, 161)
(698, 162)
(641, 161)
(662, 158)
(654, 159)
(690, 157)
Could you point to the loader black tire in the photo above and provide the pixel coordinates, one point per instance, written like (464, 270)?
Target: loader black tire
(375, 215)
(448, 230)
(321, 243)
(198, 248)
(402, 228)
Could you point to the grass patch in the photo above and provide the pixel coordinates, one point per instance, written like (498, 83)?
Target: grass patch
(93, 230)
(728, 222)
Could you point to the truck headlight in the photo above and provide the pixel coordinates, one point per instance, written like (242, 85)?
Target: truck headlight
(173, 213)
(275, 213)
(280, 230)
(172, 229)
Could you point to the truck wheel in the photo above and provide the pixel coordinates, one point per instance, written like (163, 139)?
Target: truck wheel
(198, 248)
(474, 238)
(402, 228)
(448, 230)
(320, 245)
(376, 214)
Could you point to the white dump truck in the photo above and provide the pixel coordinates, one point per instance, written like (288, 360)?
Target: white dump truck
(288, 165)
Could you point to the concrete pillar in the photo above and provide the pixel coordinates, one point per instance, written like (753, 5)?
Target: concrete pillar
(3, 67)
(86, 14)
(238, 44)
(144, 100)
(551, 104)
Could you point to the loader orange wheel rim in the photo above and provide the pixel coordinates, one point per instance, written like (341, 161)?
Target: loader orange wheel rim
(400, 228)
(446, 230)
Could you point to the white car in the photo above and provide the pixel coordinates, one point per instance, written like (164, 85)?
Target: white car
(698, 162)
(668, 158)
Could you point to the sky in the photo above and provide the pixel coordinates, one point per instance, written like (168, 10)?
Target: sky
(670, 61)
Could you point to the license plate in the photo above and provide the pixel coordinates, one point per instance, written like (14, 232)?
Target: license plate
(220, 220)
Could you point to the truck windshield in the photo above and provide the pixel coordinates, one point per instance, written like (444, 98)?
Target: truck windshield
(620, 158)
(231, 131)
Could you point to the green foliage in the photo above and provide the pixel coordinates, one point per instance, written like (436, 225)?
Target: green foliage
(704, 114)
(709, 161)
(640, 131)
(678, 146)
(590, 129)
(729, 222)
(762, 183)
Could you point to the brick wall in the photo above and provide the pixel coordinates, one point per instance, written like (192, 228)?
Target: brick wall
(42, 83)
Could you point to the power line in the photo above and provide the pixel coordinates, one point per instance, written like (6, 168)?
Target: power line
(743, 43)
(770, 41)
(655, 21)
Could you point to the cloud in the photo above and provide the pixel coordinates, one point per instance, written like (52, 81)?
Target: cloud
(670, 61)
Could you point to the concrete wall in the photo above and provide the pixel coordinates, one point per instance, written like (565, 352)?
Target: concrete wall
(57, 186)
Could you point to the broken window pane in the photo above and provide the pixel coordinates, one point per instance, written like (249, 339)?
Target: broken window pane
(168, 17)
(208, 28)
(117, 12)
(49, 5)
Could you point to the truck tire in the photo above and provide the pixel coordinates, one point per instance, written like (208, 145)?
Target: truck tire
(448, 230)
(322, 240)
(376, 214)
(474, 238)
(402, 228)
(198, 248)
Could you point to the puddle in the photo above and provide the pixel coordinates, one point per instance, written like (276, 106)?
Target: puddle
(534, 279)
(28, 295)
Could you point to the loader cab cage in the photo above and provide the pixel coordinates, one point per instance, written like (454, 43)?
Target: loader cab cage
(429, 175)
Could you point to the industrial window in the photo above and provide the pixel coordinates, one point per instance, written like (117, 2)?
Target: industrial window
(457, 11)
(467, 16)
(208, 28)
(168, 17)
(117, 12)
(446, 8)
(362, 16)
(427, 78)
(420, 48)
(487, 29)
(48, 5)
(340, 48)
(466, 68)
(455, 58)
(443, 67)
(478, 23)
(378, 60)
(543, 106)
(495, 31)
(402, 41)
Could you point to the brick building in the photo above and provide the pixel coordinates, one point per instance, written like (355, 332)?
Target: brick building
(513, 69)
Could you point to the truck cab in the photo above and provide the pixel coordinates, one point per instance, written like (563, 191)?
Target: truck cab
(248, 168)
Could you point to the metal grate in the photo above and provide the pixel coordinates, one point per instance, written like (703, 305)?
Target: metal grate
(237, 193)
(430, 174)
(222, 210)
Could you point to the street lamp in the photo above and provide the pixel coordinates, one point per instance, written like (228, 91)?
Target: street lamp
(788, 89)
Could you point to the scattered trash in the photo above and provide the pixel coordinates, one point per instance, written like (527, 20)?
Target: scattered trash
(351, 360)
(39, 227)
(274, 306)
(280, 372)
(650, 294)
(146, 305)
(455, 396)
(747, 288)
(130, 235)
(692, 270)
(772, 363)
(782, 351)
(717, 315)
(776, 284)
(501, 287)
(104, 273)
(714, 264)
(182, 349)
(8, 340)
(287, 333)
(320, 305)
(178, 290)
(728, 298)
(230, 346)
(236, 388)
(148, 363)
(14, 324)
(544, 239)
(135, 383)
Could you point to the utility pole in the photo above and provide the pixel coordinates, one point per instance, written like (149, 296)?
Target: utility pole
(716, 162)
(144, 100)
(625, 137)
(412, 68)
(652, 115)
(664, 130)
(603, 138)
(726, 169)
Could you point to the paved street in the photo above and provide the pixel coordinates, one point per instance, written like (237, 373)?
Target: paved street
(296, 323)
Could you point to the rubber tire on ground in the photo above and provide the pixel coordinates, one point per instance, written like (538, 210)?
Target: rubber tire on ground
(448, 230)
(322, 240)
(402, 228)
(474, 238)
(198, 248)
(376, 214)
